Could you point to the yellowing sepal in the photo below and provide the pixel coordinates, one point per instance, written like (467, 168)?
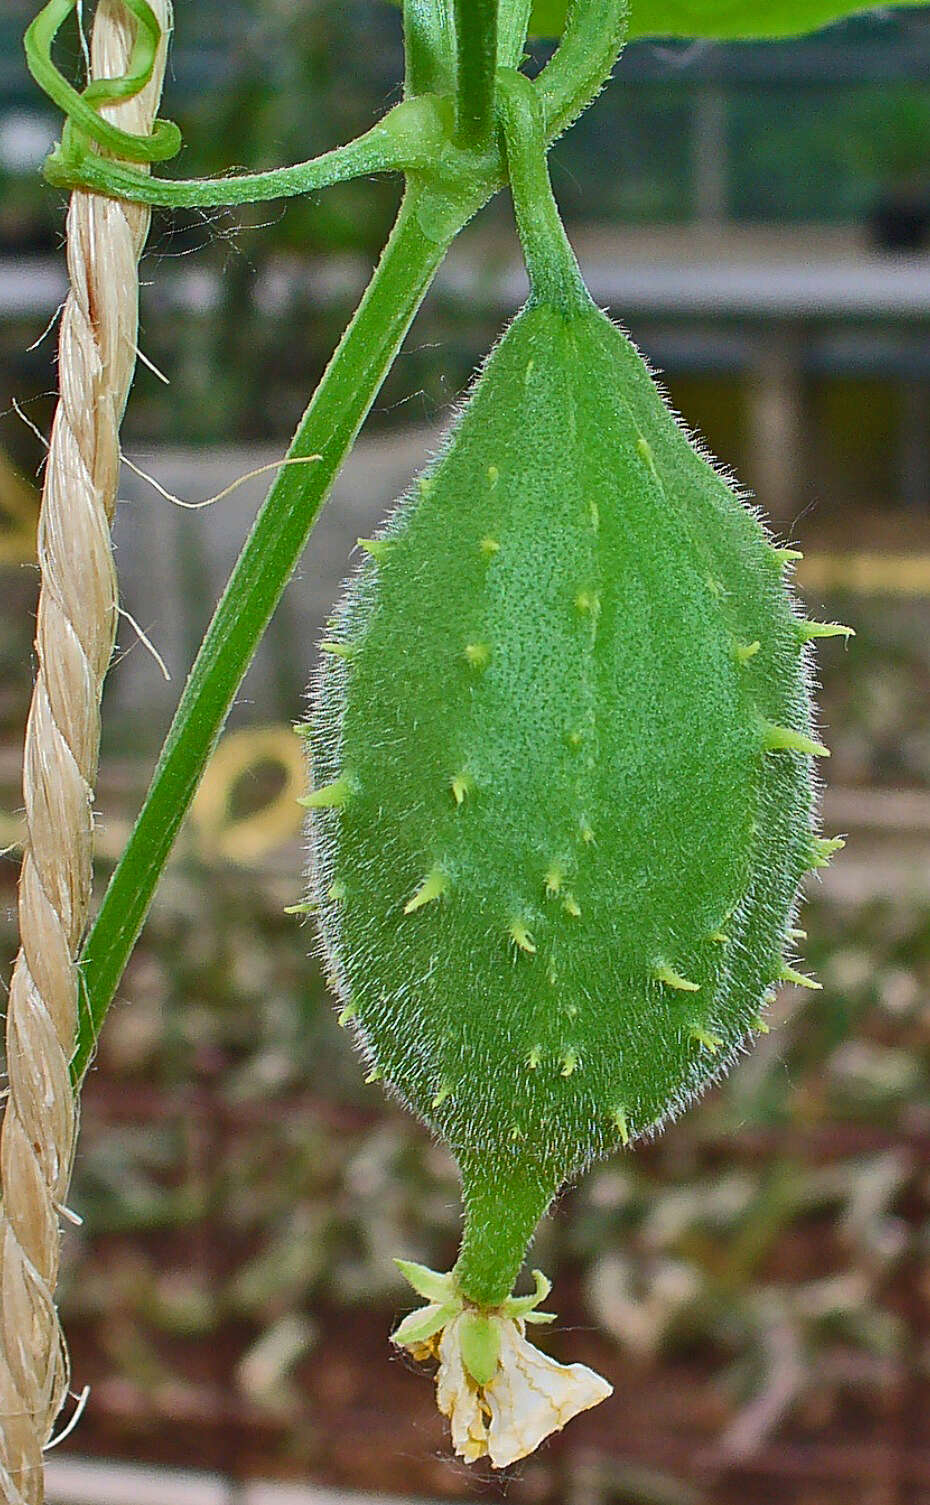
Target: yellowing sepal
(419, 1326)
(524, 1307)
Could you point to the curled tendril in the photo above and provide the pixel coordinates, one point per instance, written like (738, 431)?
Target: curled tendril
(84, 124)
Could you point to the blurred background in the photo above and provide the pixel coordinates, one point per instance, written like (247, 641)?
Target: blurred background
(757, 1284)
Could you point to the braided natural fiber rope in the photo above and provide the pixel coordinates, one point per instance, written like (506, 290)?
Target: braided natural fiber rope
(74, 640)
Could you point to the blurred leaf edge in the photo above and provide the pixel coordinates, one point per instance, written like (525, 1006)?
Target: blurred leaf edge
(719, 20)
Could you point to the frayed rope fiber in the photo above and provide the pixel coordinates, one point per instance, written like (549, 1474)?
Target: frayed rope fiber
(76, 622)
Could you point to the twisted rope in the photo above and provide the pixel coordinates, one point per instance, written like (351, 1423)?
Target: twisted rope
(75, 631)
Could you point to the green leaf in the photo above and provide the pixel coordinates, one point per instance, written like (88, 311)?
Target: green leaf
(723, 20)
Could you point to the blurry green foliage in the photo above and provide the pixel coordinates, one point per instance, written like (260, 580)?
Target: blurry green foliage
(887, 132)
(730, 1248)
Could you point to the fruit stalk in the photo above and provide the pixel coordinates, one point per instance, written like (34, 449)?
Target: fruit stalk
(503, 1207)
(550, 261)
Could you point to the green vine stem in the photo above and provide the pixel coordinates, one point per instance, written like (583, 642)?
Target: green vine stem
(429, 44)
(550, 260)
(405, 140)
(425, 226)
(476, 70)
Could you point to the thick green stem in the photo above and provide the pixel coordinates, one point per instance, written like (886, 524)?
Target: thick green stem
(513, 22)
(424, 229)
(429, 47)
(550, 260)
(502, 1212)
(476, 67)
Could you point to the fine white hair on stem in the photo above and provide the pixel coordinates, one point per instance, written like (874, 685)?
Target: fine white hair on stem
(76, 621)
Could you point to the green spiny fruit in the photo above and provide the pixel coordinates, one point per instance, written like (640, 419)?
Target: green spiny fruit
(561, 751)
(563, 778)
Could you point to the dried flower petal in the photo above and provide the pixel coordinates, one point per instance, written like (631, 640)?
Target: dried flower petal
(531, 1396)
(459, 1398)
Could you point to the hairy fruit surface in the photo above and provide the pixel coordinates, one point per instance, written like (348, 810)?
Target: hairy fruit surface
(562, 800)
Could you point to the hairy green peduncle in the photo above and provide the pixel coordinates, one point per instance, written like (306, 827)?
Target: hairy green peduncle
(550, 260)
(493, 1245)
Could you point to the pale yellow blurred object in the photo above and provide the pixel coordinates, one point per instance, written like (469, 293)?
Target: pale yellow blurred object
(241, 754)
